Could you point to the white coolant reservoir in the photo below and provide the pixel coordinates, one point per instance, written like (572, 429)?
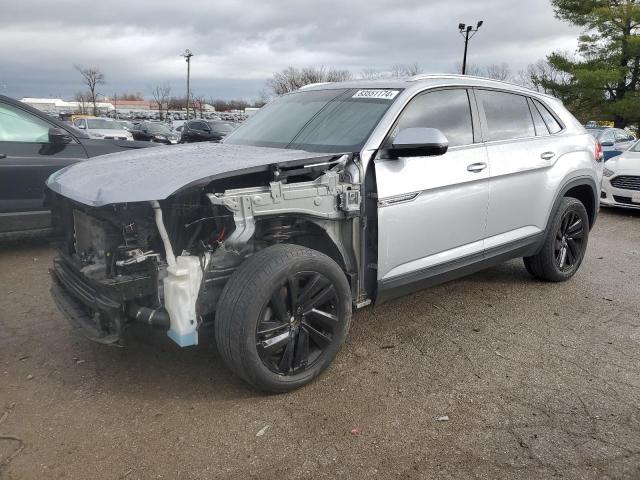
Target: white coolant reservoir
(181, 287)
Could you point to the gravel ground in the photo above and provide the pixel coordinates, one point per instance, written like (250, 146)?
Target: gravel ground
(537, 381)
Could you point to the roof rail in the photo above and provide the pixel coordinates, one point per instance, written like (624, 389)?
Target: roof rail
(313, 85)
(427, 76)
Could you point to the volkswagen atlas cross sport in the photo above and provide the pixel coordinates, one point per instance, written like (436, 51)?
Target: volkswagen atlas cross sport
(328, 199)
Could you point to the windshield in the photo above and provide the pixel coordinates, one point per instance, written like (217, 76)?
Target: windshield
(330, 121)
(222, 127)
(101, 124)
(158, 128)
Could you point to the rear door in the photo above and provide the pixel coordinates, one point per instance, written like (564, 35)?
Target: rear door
(522, 149)
(432, 211)
(27, 158)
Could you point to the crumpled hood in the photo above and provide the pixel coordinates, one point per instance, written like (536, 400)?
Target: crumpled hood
(156, 173)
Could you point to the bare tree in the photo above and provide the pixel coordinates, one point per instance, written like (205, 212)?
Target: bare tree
(292, 78)
(92, 77)
(262, 99)
(498, 71)
(371, 74)
(83, 100)
(161, 94)
(405, 70)
(198, 104)
(542, 73)
(131, 96)
(473, 70)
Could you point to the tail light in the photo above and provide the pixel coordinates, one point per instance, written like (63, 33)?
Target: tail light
(599, 153)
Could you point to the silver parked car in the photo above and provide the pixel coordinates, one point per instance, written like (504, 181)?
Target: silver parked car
(328, 199)
(104, 128)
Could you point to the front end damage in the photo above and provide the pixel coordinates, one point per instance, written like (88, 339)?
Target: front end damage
(165, 263)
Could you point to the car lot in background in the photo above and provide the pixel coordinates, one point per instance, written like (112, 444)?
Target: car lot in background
(33, 145)
(156, 132)
(125, 124)
(206, 130)
(621, 180)
(614, 141)
(103, 128)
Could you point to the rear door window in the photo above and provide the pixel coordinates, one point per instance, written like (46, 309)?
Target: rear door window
(507, 115)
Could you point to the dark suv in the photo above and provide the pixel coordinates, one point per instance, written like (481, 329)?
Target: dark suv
(33, 145)
(206, 130)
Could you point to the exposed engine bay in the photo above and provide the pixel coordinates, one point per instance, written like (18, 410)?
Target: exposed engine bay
(165, 263)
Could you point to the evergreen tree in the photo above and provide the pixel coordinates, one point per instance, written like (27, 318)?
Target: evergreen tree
(603, 80)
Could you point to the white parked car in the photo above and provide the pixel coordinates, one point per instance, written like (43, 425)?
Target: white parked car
(105, 128)
(621, 181)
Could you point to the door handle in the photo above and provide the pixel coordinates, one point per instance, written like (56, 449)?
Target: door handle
(547, 155)
(476, 167)
(3, 155)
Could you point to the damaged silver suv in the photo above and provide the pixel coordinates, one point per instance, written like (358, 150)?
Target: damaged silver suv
(328, 199)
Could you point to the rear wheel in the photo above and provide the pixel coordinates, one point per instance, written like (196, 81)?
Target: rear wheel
(282, 317)
(565, 244)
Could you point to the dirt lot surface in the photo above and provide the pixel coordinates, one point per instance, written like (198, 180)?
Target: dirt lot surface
(537, 381)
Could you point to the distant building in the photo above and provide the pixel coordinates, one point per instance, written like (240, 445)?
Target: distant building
(133, 106)
(57, 105)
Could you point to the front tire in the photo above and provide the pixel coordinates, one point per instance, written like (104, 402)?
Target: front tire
(565, 244)
(282, 317)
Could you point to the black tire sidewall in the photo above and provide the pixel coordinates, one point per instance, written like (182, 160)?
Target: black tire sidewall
(568, 204)
(272, 273)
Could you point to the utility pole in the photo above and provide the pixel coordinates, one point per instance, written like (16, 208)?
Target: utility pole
(468, 32)
(187, 56)
(115, 106)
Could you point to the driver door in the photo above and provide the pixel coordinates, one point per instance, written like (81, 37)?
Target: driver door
(432, 211)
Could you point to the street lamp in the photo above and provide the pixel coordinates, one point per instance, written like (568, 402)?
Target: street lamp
(187, 56)
(468, 32)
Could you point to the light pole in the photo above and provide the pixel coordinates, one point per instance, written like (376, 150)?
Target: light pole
(187, 56)
(468, 32)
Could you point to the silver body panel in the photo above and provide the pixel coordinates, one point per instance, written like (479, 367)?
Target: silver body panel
(457, 214)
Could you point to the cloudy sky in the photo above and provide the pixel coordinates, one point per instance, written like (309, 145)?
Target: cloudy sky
(238, 44)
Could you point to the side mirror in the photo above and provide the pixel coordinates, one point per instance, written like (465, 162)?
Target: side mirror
(607, 144)
(58, 135)
(418, 142)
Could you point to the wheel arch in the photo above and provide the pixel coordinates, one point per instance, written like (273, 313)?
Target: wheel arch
(583, 189)
(327, 237)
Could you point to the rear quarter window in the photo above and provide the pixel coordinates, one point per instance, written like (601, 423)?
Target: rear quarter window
(549, 119)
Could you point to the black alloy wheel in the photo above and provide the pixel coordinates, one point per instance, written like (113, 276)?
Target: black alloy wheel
(569, 244)
(565, 243)
(283, 316)
(298, 323)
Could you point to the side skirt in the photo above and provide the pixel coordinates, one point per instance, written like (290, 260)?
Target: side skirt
(429, 277)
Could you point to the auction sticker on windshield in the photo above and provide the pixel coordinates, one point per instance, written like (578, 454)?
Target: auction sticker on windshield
(384, 94)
